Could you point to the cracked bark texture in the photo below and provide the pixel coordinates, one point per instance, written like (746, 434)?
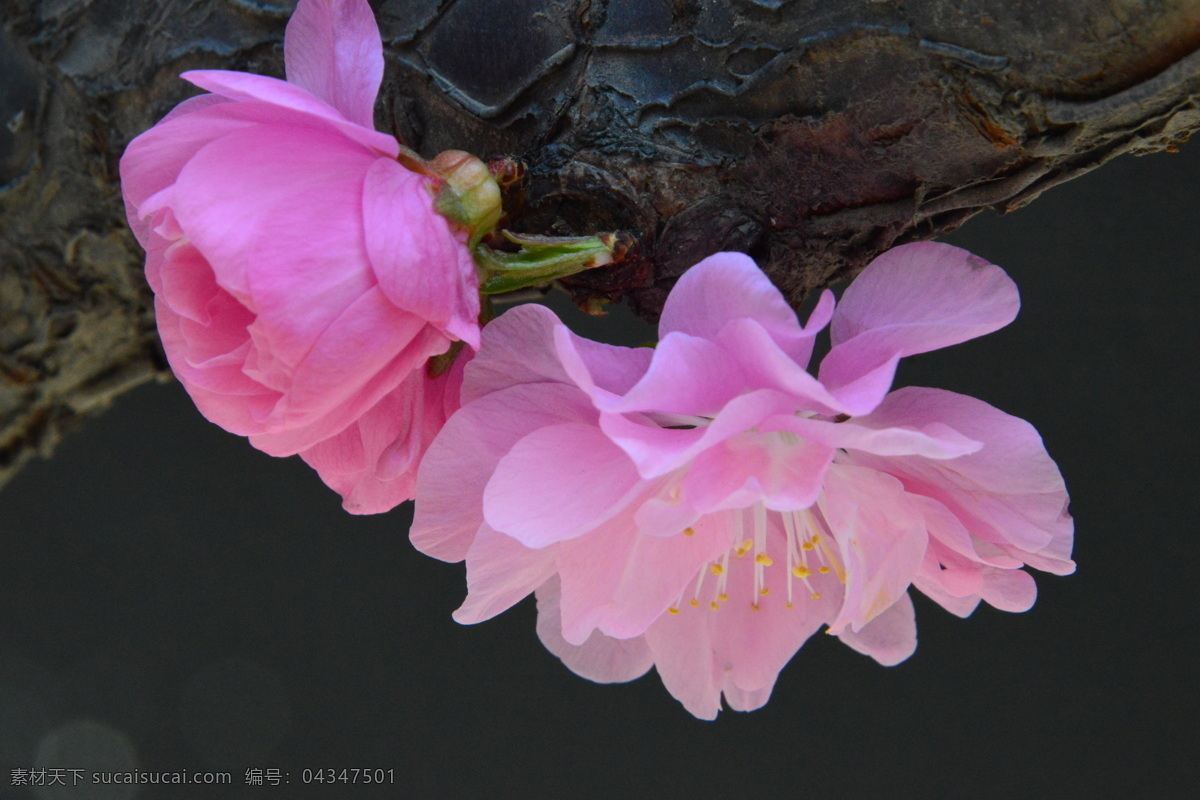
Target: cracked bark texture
(812, 134)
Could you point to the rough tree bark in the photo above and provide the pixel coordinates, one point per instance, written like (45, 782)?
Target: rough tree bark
(810, 133)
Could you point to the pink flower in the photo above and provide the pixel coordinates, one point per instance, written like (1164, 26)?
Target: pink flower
(706, 506)
(302, 275)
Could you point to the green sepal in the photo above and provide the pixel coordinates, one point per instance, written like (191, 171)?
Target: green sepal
(541, 260)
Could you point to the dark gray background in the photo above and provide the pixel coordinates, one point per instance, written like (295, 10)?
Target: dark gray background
(170, 597)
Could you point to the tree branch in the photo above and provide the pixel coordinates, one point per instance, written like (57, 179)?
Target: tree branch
(812, 134)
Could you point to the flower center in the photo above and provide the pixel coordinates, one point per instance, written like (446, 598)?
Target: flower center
(808, 548)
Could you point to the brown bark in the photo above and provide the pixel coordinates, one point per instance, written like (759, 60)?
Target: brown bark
(812, 134)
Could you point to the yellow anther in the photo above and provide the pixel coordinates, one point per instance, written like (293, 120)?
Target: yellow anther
(816, 537)
(722, 597)
(695, 603)
(764, 559)
(689, 531)
(714, 605)
(807, 545)
(842, 576)
(745, 547)
(672, 610)
(754, 607)
(764, 591)
(801, 571)
(816, 595)
(823, 570)
(789, 605)
(717, 569)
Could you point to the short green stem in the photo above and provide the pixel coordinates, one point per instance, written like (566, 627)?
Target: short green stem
(543, 259)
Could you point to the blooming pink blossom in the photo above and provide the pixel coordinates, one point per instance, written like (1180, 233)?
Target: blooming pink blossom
(302, 275)
(706, 506)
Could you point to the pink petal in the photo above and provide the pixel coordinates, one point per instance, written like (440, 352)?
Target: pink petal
(912, 299)
(517, 349)
(890, 637)
(153, 160)
(781, 471)
(601, 370)
(557, 483)
(700, 652)
(292, 249)
(881, 537)
(421, 263)
(500, 573)
(753, 646)
(293, 426)
(1009, 492)
(764, 365)
(730, 286)
(373, 462)
(188, 286)
(683, 656)
(291, 105)
(461, 460)
(333, 50)
(601, 658)
(355, 347)
(619, 582)
(742, 700)
(687, 375)
(1009, 589)
(931, 440)
(223, 394)
(657, 450)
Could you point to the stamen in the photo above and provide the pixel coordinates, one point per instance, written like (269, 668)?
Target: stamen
(672, 610)
(717, 569)
(689, 531)
(761, 559)
(714, 605)
(695, 602)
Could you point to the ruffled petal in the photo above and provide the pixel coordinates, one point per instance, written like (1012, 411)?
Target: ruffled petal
(290, 428)
(461, 460)
(781, 472)
(619, 582)
(911, 299)
(222, 392)
(517, 349)
(373, 463)
(601, 658)
(500, 573)
(657, 450)
(277, 212)
(687, 375)
(730, 286)
(880, 535)
(332, 49)
(290, 104)
(890, 637)
(683, 656)
(1010, 492)
(931, 440)
(558, 483)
